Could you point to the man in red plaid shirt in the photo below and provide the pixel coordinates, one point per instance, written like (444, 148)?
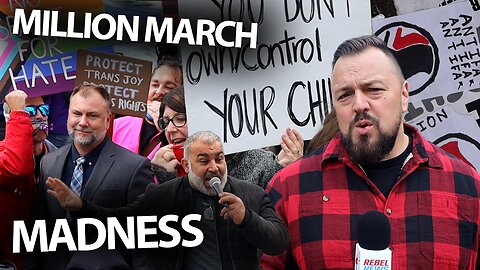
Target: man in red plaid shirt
(376, 162)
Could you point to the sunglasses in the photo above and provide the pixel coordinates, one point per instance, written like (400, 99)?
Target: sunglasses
(33, 109)
(179, 120)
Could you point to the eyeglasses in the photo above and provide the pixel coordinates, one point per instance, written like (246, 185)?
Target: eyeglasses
(179, 120)
(33, 109)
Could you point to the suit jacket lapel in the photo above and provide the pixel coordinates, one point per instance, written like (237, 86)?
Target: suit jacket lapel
(60, 158)
(103, 165)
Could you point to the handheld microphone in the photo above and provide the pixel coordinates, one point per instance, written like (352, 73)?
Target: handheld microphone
(215, 184)
(372, 250)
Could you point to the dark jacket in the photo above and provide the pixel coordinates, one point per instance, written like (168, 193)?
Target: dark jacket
(117, 179)
(261, 229)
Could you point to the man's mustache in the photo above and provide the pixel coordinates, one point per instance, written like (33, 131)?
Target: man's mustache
(364, 116)
(211, 175)
(83, 129)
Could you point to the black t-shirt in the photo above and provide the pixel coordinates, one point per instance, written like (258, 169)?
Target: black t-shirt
(38, 158)
(385, 174)
(207, 254)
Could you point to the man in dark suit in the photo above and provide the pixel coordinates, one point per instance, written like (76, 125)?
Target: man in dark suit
(93, 166)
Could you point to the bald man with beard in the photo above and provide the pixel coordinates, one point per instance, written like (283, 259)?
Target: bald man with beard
(233, 234)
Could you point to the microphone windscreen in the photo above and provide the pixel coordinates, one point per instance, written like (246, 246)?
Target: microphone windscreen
(374, 231)
(215, 183)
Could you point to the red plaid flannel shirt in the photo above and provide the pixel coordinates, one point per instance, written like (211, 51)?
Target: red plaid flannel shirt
(433, 209)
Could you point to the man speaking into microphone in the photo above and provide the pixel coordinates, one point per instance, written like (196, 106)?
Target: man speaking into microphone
(234, 227)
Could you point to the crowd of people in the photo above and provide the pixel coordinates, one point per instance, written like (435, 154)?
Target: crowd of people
(295, 209)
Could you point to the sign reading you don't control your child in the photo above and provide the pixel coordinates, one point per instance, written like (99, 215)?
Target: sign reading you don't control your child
(126, 79)
(250, 96)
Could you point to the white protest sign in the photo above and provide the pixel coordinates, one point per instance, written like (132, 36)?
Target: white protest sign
(452, 122)
(250, 96)
(438, 49)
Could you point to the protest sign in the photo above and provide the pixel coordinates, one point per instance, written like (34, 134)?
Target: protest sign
(126, 79)
(452, 122)
(438, 49)
(41, 65)
(250, 96)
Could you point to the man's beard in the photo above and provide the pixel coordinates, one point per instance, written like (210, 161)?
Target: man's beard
(366, 152)
(85, 141)
(198, 183)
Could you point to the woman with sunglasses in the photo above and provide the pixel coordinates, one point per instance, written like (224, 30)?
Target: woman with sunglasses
(257, 166)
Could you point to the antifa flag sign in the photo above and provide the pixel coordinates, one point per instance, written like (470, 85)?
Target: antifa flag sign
(415, 51)
(451, 122)
(450, 143)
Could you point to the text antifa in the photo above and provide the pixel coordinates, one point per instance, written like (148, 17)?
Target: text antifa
(45, 23)
(62, 234)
